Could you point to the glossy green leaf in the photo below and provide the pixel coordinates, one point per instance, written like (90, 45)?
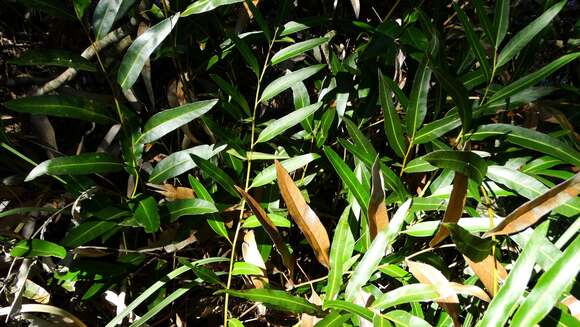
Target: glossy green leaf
(475, 248)
(505, 301)
(65, 106)
(104, 16)
(25, 210)
(190, 207)
(87, 232)
(279, 221)
(417, 108)
(202, 6)
(428, 228)
(232, 322)
(140, 50)
(168, 120)
(54, 57)
(500, 21)
(340, 252)
(302, 24)
(233, 92)
(467, 163)
(349, 307)
(247, 54)
(297, 49)
(259, 19)
(213, 220)
(541, 163)
(82, 164)
(268, 175)
(523, 37)
(333, 319)
(483, 19)
(473, 40)
(360, 140)
(280, 125)
(217, 174)
(246, 268)
(147, 215)
(180, 162)
(406, 294)
(171, 298)
(418, 165)
(278, 300)
(405, 319)
(393, 128)
(37, 248)
(285, 82)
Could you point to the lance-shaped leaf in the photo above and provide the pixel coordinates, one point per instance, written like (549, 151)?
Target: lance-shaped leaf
(530, 212)
(549, 287)
(213, 220)
(417, 108)
(279, 126)
(393, 128)
(340, 253)
(269, 174)
(378, 216)
(270, 229)
(217, 174)
(349, 307)
(180, 162)
(454, 207)
(233, 92)
(190, 207)
(473, 40)
(303, 215)
(475, 248)
(65, 106)
(104, 16)
(54, 57)
(37, 248)
(472, 224)
(87, 232)
(334, 319)
(168, 120)
(82, 164)
(506, 300)
(406, 294)
(141, 49)
(285, 82)
(405, 319)
(278, 300)
(489, 270)
(530, 139)
(429, 275)
(360, 140)
(297, 49)
(464, 162)
(202, 6)
(147, 215)
(470, 290)
(375, 253)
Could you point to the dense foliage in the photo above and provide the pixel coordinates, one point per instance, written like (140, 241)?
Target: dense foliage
(253, 163)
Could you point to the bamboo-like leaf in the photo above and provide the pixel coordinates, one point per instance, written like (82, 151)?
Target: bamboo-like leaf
(279, 221)
(297, 49)
(37, 248)
(233, 92)
(213, 220)
(334, 319)
(54, 57)
(428, 228)
(217, 174)
(406, 294)
(417, 108)
(270, 229)
(349, 307)
(278, 300)
(375, 253)
(454, 208)
(505, 302)
(201, 6)
(285, 82)
(340, 252)
(405, 319)
(55, 8)
(168, 120)
(377, 210)
(147, 215)
(104, 16)
(523, 37)
(180, 162)
(393, 128)
(470, 290)
(190, 207)
(500, 21)
(429, 275)
(141, 49)
(530, 212)
(418, 165)
(279, 126)
(473, 40)
(247, 54)
(303, 216)
(360, 140)
(269, 174)
(65, 106)
(489, 270)
(475, 248)
(483, 19)
(530, 139)
(464, 162)
(549, 287)
(169, 299)
(87, 232)
(83, 164)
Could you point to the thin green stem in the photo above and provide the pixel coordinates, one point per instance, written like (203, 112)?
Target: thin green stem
(406, 157)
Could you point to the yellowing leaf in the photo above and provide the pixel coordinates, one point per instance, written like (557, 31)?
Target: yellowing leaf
(377, 210)
(429, 275)
(454, 208)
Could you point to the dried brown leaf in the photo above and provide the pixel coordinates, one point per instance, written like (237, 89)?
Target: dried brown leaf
(490, 271)
(307, 320)
(454, 208)
(252, 255)
(377, 211)
(530, 212)
(270, 229)
(470, 290)
(304, 216)
(172, 193)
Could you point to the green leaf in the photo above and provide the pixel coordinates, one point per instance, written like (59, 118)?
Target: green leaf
(259, 19)
(483, 19)
(549, 287)
(340, 253)
(167, 121)
(54, 57)
(360, 140)
(334, 319)
(202, 6)
(541, 163)
(375, 253)
(80, 7)
(349, 307)
(104, 16)
(180, 162)
(232, 322)
(278, 300)
(279, 126)
(247, 54)
(404, 319)
(506, 300)
(140, 50)
(406, 294)
(465, 162)
(475, 248)
(246, 268)
(37, 248)
(361, 195)
(87, 232)
(189, 207)
(25, 210)
(473, 40)
(82, 164)
(500, 21)
(417, 108)
(302, 24)
(529, 139)
(171, 298)
(297, 49)
(418, 165)
(428, 228)
(213, 220)
(523, 37)
(393, 128)
(233, 92)
(65, 106)
(285, 82)
(325, 125)
(217, 174)
(147, 215)
(268, 175)
(279, 221)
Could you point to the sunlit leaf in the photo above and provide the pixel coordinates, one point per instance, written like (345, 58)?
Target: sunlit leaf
(82, 164)
(37, 248)
(285, 82)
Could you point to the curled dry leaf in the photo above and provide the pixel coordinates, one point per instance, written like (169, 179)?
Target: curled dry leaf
(307, 320)
(470, 290)
(270, 229)
(377, 210)
(490, 272)
(172, 193)
(304, 216)
(530, 212)
(454, 208)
